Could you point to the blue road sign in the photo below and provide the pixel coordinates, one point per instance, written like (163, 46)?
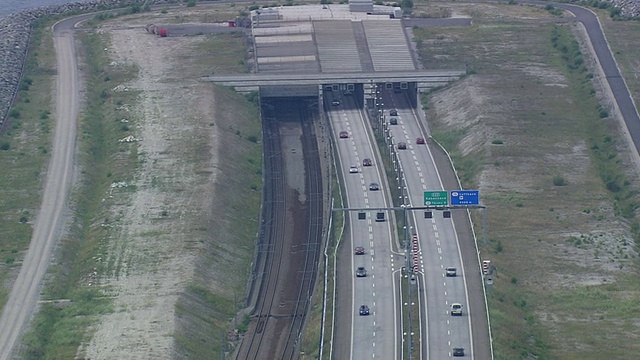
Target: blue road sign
(465, 197)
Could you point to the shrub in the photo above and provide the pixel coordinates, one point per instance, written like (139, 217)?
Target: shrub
(559, 181)
(497, 142)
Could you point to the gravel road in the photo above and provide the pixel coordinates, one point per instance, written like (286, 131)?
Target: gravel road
(25, 292)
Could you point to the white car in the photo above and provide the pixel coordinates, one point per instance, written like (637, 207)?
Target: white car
(456, 309)
(353, 169)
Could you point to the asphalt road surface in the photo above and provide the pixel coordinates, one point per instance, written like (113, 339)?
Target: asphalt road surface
(373, 336)
(437, 239)
(47, 229)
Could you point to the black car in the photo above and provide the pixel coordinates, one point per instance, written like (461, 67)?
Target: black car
(393, 112)
(366, 162)
(374, 187)
(364, 310)
(393, 121)
(457, 351)
(402, 146)
(361, 272)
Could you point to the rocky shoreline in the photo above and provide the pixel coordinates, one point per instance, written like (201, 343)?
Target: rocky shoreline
(15, 30)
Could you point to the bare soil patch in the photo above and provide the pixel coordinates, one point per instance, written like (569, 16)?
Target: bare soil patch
(162, 217)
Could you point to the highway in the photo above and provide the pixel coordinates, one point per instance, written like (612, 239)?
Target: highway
(437, 238)
(376, 335)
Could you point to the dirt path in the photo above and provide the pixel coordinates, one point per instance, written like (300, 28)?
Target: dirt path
(25, 292)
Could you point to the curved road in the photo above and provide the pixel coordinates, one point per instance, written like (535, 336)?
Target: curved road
(47, 230)
(608, 65)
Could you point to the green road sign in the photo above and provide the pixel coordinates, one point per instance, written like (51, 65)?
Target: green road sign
(436, 198)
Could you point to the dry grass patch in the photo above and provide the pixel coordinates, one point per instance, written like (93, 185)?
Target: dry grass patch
(526, 122)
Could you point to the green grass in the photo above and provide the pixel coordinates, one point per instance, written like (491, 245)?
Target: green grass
(229, 236)
(60, 331)
(514, 96)
(24, 155)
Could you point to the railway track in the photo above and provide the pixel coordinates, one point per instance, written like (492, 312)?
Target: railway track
(290, 241)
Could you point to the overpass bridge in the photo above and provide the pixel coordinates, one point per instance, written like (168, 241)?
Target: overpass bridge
(362, 84)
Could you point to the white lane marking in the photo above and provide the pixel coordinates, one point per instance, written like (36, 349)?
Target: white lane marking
(440, 251)
(366, 201)
(436, 234)
(438, 243)
(435, 227)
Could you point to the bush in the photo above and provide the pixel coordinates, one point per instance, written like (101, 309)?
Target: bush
(559, 181)
(14, 113)
(5, 146)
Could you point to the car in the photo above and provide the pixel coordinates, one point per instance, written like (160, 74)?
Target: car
(457, 351)
(393, 112)
(393, 121)
(380, 217)
(451, 271)
(374, 187)
(353, 169)
(420, 141)
(344, 135)
(335, 102)
(456, 309)
(361, 271)
(366, 162)
(402, 145)
(347, 93)
(364, 310)
(359, 250)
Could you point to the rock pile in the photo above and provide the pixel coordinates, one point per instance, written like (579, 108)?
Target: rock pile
(628, 8)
